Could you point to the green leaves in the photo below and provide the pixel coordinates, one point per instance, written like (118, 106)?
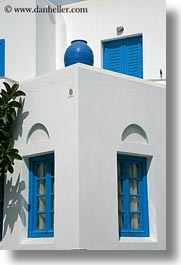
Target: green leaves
(7, 86)
(15, 104)
(8, 114)
(19, 94)
(10, 93)
(6, 134)
(1, 102)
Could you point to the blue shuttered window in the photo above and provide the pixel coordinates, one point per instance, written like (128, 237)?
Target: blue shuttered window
(132, 197)
(41, 196)
(2, 57)
(124, 56)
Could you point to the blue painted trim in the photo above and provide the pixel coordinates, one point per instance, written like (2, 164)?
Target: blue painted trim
(124, 56)
(126, 231)
(33, 232)
(2, 57)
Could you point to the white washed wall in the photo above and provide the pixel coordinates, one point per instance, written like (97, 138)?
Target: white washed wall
(19, 32)
(34, 43)
(36, 46)
(140, 16)
(108, 103)
(47, 102)
(85, 134)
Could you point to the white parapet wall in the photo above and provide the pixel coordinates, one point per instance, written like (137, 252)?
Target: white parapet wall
(85, 111)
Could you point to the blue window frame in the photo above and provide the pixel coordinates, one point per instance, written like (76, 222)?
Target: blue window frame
(132, 196)
(124, 56)
(41, 196)
(2, 57)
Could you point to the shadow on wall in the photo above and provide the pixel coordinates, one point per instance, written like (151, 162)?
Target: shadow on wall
(135, 134)
(18, 126)
(15, 205)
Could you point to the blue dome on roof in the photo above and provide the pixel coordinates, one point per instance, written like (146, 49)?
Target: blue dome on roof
(78, 52)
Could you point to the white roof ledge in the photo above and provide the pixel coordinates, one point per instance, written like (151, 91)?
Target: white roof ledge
(7, 79)
(108, 72)
(99, 70)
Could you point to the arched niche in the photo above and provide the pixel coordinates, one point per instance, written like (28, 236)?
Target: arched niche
(37, 134)
(135, 134)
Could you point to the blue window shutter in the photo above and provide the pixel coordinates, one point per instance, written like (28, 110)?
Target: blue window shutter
(2, 57)
(132, 197)
(41, 196)
(113, 56)
(1, 205)
(124, 56)
(133, 58)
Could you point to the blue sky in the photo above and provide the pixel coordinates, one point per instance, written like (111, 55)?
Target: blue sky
(62, 2)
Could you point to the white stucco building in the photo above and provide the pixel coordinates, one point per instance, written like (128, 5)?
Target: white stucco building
(93, 174)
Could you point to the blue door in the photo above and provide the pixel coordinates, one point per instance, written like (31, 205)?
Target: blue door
(2, 57)
(124, 56)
